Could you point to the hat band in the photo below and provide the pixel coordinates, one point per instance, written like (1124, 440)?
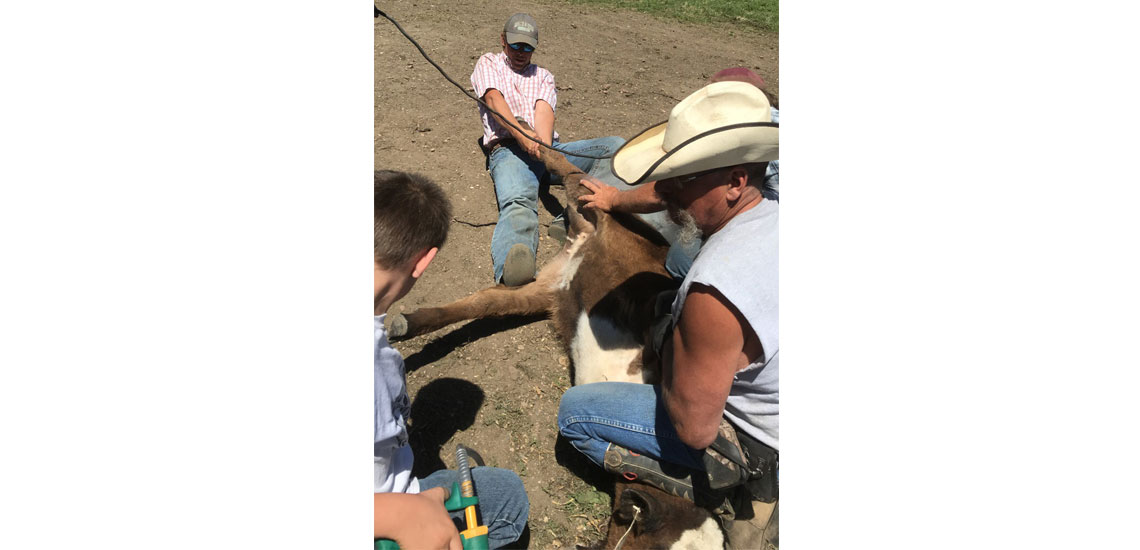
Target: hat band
(682, 145)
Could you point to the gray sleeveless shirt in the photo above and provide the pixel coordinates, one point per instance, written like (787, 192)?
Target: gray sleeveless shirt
(742, 262)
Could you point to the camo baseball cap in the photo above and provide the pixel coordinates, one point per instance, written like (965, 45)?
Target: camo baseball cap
(521, 28)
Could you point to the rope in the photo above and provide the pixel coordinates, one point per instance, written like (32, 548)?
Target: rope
(502, 118)
(636, 512)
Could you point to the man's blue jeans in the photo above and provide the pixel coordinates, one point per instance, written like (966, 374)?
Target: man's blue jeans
(516, 177)
(629, 415)
(503, 504)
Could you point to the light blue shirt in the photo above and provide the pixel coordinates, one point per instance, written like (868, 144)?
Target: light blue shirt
(392, 456)
(742, 262)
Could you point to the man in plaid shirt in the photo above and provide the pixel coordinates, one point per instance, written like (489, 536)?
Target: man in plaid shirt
(519, 89)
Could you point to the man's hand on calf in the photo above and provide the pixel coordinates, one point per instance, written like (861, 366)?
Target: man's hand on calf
(603, 196)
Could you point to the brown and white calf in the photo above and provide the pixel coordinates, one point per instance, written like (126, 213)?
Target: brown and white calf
(647, 517)
(599, 290)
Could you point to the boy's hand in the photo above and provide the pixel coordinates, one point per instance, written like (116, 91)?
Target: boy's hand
(424, 522)
(430, 527)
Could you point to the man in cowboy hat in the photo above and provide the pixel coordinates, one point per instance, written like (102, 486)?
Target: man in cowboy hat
(518, 89)
(720, 367)
(644, 199)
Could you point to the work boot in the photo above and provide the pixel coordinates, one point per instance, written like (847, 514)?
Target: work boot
(760, 531)
(518, 268)
(557, 230)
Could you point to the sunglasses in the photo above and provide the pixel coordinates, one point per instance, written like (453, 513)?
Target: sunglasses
(683, 180)
(520, 46)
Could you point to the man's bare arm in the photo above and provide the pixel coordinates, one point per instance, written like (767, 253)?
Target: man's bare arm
(639, 200)
(708, 349)
(495, 99)
(543, 126)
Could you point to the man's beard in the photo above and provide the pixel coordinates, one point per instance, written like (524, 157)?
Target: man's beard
(689, 231)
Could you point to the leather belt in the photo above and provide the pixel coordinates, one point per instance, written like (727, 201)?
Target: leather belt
(501, 143)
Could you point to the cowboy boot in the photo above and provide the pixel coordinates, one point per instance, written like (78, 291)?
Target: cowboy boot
(635, 467)
(679, 481)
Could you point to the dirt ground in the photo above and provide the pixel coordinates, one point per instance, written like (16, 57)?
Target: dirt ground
(494, 385)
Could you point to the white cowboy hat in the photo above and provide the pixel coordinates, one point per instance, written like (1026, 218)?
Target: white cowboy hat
(722, 124)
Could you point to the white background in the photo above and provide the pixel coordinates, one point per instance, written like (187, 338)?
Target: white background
(184, 234)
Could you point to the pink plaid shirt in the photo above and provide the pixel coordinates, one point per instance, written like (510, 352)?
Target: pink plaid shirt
(520, 90)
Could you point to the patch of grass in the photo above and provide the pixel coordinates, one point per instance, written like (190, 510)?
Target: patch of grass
(588, 510)
(586, 513)
(509, 417)
(590, 502)
(756, 14)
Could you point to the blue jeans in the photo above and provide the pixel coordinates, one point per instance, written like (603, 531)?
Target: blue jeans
(680, 259)
(629, 415)
(771, 189)
(516, 178)
(772, 175)
(503, 505)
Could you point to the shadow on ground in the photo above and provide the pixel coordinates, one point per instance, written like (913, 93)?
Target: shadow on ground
(570, 458)
(441, 409)
(481, 328)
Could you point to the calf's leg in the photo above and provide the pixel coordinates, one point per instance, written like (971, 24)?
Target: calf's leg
(496, 301)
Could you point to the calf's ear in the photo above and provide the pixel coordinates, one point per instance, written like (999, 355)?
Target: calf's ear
(649, 519)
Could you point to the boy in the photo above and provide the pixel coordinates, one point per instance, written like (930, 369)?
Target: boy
(412, 215)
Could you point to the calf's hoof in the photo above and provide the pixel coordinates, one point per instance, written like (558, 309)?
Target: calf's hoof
(398, 327)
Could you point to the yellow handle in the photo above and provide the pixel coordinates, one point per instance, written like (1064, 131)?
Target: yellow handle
(472, 521)
(473, 528)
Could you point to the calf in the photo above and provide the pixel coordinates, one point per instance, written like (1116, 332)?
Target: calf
(599, 290)
(647, 517)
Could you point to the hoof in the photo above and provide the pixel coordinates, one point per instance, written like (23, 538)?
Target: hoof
(398, 328)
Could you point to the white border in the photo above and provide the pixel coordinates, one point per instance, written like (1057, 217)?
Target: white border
(185, 223)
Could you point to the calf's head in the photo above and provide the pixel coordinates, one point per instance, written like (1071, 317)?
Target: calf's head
(650, 518)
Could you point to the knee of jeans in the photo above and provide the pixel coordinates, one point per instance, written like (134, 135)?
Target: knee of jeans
(520, 204)
(613, 143)
(565, 405)
(570, 405)
(514, 485)
(506, 483)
